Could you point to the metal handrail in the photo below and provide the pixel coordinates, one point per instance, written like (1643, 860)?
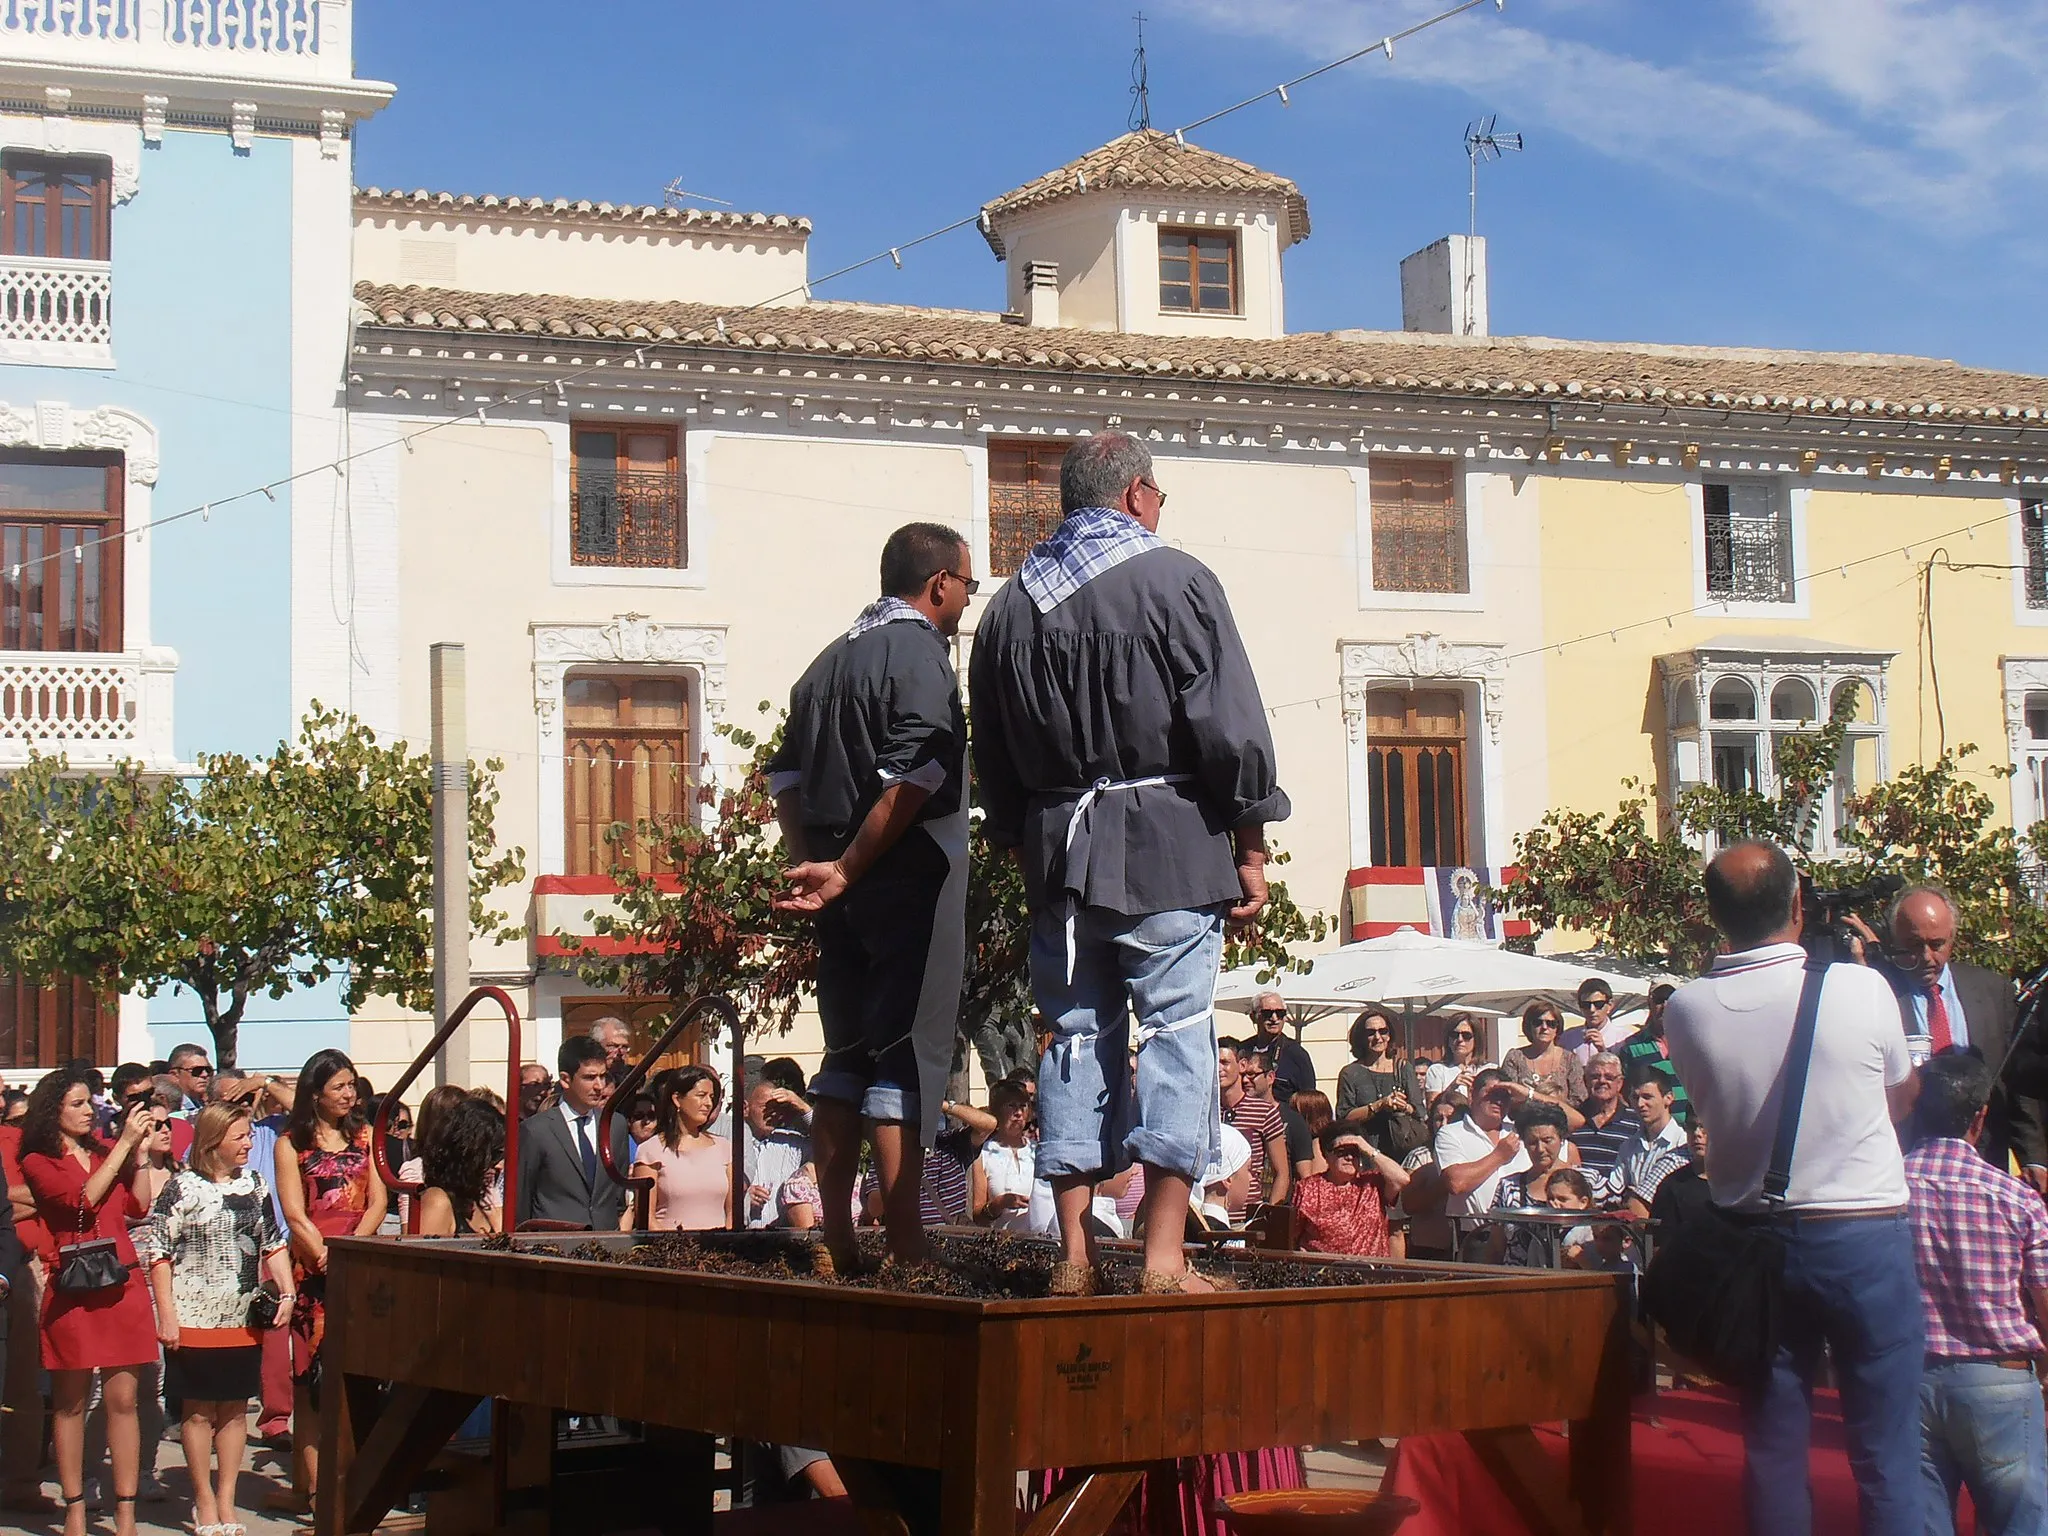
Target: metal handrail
(642, 1189)
(380, 1136)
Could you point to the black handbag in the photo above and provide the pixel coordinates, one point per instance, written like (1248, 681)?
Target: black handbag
(1717, 1283)
(90, 1264)
(264, 1306)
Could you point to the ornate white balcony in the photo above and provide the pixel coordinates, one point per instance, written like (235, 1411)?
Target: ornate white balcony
(96, 708)
(55, 310)
(274, 39)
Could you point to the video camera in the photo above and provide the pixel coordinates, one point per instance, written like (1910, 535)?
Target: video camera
(1824, 934)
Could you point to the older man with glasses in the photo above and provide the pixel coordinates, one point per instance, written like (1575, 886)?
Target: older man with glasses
(1293, 1072)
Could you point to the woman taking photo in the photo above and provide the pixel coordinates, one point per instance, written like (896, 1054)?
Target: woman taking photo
(1461, 1061)
(462, 1165)
(1549, 1071)
(211, 1240)
(327, 1190)
(84, 1192)
(1377, 1092)
(691, 1168)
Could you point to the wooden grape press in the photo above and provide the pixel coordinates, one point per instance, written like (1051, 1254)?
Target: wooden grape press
(421, 1331)
(973, 1390)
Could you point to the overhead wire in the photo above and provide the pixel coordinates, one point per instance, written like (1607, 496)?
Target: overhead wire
(892, 252)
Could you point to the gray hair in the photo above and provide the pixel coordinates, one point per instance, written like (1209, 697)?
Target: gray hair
(1604, 1059)
(1097, 470)
(1924, 888)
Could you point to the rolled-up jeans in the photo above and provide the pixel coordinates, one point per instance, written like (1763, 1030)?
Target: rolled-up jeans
(1156, 972)
(1981, 1428)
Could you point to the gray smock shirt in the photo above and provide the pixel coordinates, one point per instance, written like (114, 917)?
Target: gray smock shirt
(1135, 677)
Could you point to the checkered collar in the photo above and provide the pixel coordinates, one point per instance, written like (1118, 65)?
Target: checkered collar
(1090, 541)
(887, 610)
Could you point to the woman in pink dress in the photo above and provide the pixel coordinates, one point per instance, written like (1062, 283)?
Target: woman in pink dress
(691, 1168)
(84, 1191)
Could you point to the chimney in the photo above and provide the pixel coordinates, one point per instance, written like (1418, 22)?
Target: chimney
(1443, 287)
(1042, 293)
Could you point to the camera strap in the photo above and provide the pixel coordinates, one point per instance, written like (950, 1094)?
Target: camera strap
(1798, 1059)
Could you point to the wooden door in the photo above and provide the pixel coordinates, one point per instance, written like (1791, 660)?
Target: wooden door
(1415, 776)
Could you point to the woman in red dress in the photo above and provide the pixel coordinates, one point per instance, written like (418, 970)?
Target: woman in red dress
(327, 1189)
(85, 1190)
(1344, 1208)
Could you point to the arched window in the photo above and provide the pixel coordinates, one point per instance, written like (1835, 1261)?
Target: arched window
(1859, 700)
(1792, 699)
(1731, 699)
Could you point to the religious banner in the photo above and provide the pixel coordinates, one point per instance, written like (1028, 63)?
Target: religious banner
(1447, 901)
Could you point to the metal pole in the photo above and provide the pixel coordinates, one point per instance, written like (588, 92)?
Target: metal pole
(449, 689)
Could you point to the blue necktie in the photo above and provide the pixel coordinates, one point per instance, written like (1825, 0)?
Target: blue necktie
(589, 1150)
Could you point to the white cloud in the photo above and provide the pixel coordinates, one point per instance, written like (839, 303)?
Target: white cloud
(1913, 109)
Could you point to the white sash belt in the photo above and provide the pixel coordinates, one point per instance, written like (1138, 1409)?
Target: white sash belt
(1081, 809)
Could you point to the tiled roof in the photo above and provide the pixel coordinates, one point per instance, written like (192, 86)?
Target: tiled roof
(1735, 379)
(463, 205)
(1148, 158)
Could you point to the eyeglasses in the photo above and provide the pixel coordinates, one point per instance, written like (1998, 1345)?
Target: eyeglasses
(1250, 1071)
(1154, 490)
(968, 582)
(401, 1127)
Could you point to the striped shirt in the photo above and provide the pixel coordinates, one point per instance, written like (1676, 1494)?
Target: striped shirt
(1980, 1242)
(1600, 1146)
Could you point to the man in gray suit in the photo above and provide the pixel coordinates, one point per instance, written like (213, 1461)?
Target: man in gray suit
(1944, 1003)
(561, 1178)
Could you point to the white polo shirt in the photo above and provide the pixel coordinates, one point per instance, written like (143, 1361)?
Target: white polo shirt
(1463, 1142)
(1729, 1032)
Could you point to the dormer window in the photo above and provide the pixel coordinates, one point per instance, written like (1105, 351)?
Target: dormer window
(1198, 272)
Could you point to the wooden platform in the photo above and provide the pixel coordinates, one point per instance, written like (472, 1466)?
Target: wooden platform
(973, 1389)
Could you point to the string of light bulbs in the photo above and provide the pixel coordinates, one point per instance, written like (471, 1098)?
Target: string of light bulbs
(1613, 632)
(893, 253)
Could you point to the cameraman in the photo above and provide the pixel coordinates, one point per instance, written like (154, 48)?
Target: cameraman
(1849, 1279)
(1945, 1002)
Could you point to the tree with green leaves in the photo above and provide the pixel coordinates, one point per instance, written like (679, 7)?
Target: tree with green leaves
(700, 920)
(254, 877)
(1631, 879)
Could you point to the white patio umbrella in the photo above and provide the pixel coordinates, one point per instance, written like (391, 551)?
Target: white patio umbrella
(1421, 974)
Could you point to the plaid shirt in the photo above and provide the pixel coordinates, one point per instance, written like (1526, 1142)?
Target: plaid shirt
(1088, 542)
(886, 610)
(1980, 1242)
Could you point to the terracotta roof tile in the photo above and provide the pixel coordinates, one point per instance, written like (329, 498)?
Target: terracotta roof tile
(1148, 158)
(1734, 379)
(465, 204)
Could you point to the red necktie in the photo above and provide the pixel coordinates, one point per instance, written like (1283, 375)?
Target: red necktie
(1937, 1020)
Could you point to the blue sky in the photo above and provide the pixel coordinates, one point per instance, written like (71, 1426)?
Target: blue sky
(1843, 174)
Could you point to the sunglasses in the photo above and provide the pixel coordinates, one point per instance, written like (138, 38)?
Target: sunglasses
(1350, 1154)
(1463, 1034)
(1599, 1002)
(198, 1071)
(1269, 1013)
(129, 1101)
(1545, 1024)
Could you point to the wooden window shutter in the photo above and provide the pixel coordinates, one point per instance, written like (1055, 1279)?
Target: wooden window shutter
(1023, 499)
(1418, 526)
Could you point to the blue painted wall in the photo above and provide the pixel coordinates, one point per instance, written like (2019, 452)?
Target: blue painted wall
(203, 351)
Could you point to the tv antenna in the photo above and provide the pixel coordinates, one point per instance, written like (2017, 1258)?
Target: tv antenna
(676, 195)
(1482, 142)
(1141, 97)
